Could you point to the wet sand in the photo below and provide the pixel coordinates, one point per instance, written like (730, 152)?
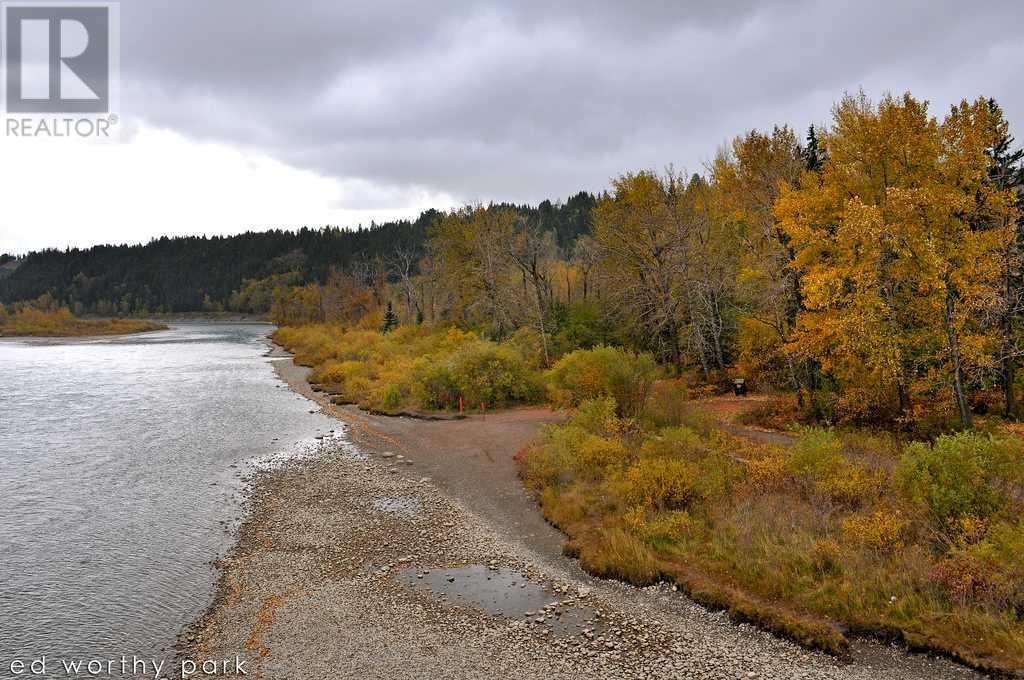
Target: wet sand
(409, 549)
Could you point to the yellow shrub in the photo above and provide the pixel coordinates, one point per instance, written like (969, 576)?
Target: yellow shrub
(661, 483)
(594, 454)
(882, 530)
(768, 472)
(635, 519)
(848, 484)
(338, 372)
(603, 372)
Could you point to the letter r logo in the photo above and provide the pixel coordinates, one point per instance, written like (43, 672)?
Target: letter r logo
(57, 58)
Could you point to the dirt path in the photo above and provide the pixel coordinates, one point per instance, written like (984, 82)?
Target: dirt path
(725, 409)
(415, 553)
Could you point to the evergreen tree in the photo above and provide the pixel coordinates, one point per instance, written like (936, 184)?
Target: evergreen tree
(814, 155)
(1006, 171)
(390, 319)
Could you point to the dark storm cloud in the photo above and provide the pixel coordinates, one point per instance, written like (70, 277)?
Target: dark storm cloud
(526, 100)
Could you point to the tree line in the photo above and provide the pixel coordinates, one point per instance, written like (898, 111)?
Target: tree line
(235, 273)
(872, 268)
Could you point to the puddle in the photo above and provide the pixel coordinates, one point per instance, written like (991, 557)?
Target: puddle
(407, 507)
(505, 592)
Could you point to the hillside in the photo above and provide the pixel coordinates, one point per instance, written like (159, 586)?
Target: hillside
(200, 273)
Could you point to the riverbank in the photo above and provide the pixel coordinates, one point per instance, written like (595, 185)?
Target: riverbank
(354, 565)
(74, 327)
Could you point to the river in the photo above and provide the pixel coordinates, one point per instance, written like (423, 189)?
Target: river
(121, 464)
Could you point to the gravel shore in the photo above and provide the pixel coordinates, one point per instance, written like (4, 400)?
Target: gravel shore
(366, 561)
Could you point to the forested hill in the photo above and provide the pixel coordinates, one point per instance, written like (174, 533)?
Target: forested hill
(198, 273)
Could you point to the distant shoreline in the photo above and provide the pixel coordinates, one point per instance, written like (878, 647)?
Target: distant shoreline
(90, 328)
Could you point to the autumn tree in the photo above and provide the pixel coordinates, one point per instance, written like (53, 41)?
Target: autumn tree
(345, 298)
(296, 305)
(470, 250)
(896, 275)
(749, 177)
(642, 231)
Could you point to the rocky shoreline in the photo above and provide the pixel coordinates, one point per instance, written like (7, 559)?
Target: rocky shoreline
(361, 562)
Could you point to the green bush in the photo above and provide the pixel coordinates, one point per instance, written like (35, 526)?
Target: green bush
(816, 453)
(529, 344)
(493, 375)
(597, 416)
(480, 372)
(580, 326)
(603, 372)
(554, 462)
(440, 391)
(963, 475)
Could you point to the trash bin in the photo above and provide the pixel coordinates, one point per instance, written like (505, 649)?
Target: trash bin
(739, 386)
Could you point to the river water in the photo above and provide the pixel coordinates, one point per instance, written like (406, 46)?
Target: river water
(120, 481)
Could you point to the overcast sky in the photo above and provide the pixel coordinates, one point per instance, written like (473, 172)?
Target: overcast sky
(258, 114)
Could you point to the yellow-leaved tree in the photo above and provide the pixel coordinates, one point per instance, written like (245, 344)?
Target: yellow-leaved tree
(900, 242)
(748, 177)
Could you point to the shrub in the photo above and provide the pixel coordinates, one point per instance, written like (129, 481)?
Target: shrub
(966, 474)
(990, 570)
(881, 531)
(391, 398)
(580, 325)
(817, 461)
(597, 416)
(594, 454)
(545, 466)
(680, 442)
(493, 375)
(661, 483)
(568, 452)
(770, 471)
(848, 484)
(530, 346)
(603, 372)
(438, 387)
(674, 525)
(816, 452)
(667, 404)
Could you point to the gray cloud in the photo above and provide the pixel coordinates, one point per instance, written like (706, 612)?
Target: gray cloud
(522, 100)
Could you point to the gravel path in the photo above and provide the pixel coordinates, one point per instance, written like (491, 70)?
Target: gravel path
(353, 565)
